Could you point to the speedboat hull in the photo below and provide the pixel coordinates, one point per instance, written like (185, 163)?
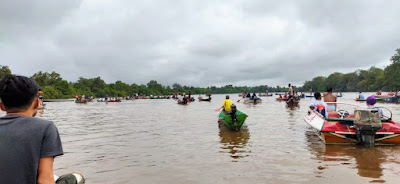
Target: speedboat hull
(335, 130)
(249, 100)
(227, 120)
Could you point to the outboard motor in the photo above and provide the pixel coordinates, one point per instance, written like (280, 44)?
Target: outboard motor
(233, 114)
(367, 122)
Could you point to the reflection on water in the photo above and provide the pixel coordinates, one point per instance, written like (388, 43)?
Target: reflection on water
(159, 141)
(234, 142)
(369, 162)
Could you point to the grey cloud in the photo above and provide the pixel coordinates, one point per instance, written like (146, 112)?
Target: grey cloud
(197, 43)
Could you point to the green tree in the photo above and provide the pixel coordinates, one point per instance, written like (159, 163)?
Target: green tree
(4, 71)
(391, 77)
(396, 57)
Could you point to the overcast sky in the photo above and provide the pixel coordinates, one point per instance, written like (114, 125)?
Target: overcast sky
(197, 42)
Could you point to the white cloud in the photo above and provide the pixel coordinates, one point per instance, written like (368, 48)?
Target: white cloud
(197, 43)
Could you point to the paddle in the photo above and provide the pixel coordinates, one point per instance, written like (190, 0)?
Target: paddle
(239, 100)
(217, 109)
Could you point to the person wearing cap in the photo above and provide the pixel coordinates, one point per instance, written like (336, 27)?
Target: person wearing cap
(318, 105)
(227, 104)
(371, 101)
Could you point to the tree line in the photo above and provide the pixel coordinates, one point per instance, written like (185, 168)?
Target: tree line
(373, 79)
(55, 87)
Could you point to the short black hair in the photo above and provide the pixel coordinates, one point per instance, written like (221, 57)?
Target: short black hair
(17, 91)
(329, 89)
(317, 95)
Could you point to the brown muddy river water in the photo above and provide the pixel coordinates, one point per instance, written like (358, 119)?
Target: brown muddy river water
(159, 141)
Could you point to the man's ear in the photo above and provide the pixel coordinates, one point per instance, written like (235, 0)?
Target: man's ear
(35, 103)
(2, 107)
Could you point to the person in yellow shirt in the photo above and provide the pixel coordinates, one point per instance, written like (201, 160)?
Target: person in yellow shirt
(227, 104)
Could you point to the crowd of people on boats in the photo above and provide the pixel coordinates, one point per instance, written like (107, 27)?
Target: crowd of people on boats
(83, 98)
(390, 96)
(329, 103)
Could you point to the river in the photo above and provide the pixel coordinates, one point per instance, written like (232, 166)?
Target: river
(159, 141)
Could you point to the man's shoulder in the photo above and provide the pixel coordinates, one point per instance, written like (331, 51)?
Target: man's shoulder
(31, 120)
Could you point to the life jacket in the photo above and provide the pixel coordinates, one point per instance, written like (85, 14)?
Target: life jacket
(321, 109)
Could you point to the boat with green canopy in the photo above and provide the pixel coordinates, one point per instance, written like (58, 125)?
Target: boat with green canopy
(234, 123)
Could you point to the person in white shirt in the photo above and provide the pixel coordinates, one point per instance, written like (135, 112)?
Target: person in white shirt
(291, 90)
(318, 105)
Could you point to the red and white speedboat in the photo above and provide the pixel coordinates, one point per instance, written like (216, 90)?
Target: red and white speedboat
(364, 126)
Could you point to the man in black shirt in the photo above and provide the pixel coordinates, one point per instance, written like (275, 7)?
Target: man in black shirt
(28, 145)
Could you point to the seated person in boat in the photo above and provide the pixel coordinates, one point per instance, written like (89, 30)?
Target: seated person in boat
(379, 92)
(200, 97)
(391, 93)
(248, 95)
(254, 96)
(296, 96)
(28, 145)
(318, 105)
(227, 105)
(286, 95)
(371, 101)
(280, 96)
(361, 96)
(330, 97)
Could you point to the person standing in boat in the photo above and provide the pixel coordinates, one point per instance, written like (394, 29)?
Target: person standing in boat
(28, 145)
(318, 105)
(291, 91)
(40, 94)
(330, 97)
(226, 106)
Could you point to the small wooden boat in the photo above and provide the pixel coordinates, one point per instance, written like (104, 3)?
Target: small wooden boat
(364, 126)
(242, 94)
(265, 95)
(249, 100)
(282, 99)
(205, 100)
(360, 100)
(234, 124)
(116, 100)
(292, 103)
(182, 102)
(386, 98)
(363, 100)
(80, 101)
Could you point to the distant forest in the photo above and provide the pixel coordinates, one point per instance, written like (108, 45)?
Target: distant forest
(373, 79)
